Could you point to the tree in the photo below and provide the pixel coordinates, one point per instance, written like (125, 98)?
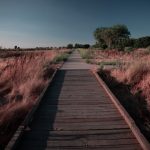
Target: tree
(81, 45)
(109, 36)
(142, 42)
(86, 45)
(15, 47)
(70, 46)
(99, 36)
(77, 45)
(124, 42)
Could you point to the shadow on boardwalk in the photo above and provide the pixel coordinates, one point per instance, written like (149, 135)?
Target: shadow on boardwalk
(44, 118)
(135, 104)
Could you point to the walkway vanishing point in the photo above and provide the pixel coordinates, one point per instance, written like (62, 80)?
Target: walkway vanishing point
(77, 113)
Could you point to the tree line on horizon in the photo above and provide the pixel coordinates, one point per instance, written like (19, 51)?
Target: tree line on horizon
(77, 45)
(114, 37)
(118, 37)
(69, 46)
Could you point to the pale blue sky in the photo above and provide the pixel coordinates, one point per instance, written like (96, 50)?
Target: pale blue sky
(31, 23)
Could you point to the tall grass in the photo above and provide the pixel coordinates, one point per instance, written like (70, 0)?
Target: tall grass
(137, 75)
(60, 58)
(86, 53)
(131, 85)
(22, 79)
(137, 71)
(130, 82)
(123, 57)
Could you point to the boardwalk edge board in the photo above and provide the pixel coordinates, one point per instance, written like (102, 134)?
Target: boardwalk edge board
(19, 132)
(135, 130)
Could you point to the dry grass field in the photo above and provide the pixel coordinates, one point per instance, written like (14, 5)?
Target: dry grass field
(23, 76)
(128, 76)
(133, 69)
(129, 79)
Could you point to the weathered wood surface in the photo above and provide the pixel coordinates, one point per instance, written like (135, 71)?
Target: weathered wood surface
(75, 62)
(76, 113)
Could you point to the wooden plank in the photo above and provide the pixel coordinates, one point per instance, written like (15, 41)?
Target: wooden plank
(81, 117)
(89, 127)
(78, 114)
(108, 137)
(78, 107)
(79, 111)
(79, 142)
(83, 121)
(81, 132)
(92, 123)
(122, 147)
(71, 120)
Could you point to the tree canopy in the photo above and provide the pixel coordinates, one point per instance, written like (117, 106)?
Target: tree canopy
(81, 45)
(70, 46)
(110, 36)
(142, 42)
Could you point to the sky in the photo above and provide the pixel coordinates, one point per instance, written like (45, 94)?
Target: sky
(32, 23)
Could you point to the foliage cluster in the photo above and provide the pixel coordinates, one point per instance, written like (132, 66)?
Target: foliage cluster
(118, 37)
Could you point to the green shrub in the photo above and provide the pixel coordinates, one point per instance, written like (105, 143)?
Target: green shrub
(142, 42)
(109, 63)
(128, 49)
(148, 48)
(70, 46)
(61, 57)
(88, 61)
(69, 52)
(86, 54)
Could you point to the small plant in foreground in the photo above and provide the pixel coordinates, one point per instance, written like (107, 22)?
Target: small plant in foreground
(113, 63)
(86, 53)
(60, 58)
(148, 49)
(128, 49)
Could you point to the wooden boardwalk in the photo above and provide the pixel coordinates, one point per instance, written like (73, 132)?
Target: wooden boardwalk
(76, 113)
(75, 62)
